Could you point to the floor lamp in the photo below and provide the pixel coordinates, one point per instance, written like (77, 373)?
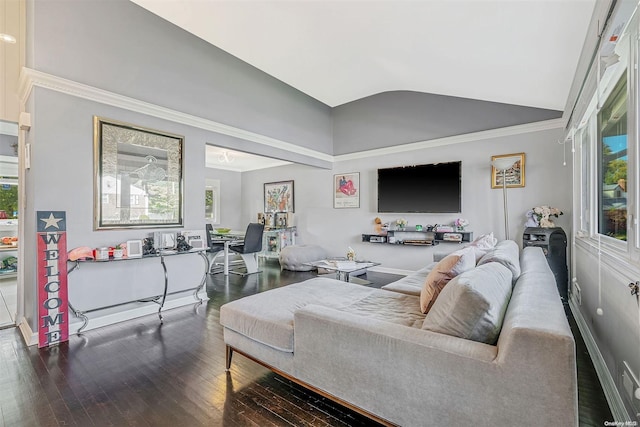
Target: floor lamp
(503, 164)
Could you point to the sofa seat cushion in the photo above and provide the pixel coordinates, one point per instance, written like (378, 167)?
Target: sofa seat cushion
(392, 307)
(472, 305)
(267, 317)
(451, 266)
(411, 284)
(506, 253)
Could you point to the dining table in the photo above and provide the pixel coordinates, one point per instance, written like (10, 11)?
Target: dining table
(228, 239)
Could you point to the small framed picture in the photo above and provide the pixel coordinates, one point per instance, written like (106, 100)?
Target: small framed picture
(134, 248)
(513, 176)
(196, 244)
(164, 240)
(346, 190)
(192, 235)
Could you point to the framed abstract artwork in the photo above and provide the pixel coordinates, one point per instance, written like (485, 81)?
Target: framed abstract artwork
(346, 190)
(278, 196)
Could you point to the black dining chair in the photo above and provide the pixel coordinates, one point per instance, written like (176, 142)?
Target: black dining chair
(249, 249)
(213, 249)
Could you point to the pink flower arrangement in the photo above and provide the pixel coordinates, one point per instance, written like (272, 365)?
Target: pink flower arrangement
(461, 223)
(542, 215)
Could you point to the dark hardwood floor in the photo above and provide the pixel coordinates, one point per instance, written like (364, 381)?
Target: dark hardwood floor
(141, 373)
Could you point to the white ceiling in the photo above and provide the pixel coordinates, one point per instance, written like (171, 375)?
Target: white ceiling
(237, 161)
(521, 52)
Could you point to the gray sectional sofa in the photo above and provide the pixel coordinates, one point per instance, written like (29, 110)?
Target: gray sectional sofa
(374, 351)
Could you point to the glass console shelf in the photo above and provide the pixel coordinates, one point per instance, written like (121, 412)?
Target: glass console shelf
(412, 237)
(158, 298)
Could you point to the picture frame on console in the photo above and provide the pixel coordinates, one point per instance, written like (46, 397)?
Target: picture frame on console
(346, 190)
(514, 176)
(279, 197)
(134, 248)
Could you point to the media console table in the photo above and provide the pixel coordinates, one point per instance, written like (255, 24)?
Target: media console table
(158, 299)
(413, 237)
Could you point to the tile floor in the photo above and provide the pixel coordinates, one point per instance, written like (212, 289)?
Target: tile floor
(8, 302)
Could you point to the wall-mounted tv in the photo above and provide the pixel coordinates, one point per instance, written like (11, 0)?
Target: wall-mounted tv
(432, 188)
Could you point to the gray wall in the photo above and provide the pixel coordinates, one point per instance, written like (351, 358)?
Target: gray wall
(118, 46)
(61, 178)
(603, 281)
(230, 197)
(602, 270)
(547, 183)
(401, 117)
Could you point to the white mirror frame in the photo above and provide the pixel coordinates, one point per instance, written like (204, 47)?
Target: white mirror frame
(212, 201)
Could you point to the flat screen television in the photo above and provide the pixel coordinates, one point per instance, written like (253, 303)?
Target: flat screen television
(432, 188)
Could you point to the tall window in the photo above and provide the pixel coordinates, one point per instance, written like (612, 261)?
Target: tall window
(612, 159)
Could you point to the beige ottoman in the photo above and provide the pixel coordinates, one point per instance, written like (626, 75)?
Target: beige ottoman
(294, 257)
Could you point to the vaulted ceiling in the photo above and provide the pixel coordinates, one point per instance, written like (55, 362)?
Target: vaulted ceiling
(521, 52)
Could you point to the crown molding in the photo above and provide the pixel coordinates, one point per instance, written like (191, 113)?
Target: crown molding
(457, 139)
(30, 78)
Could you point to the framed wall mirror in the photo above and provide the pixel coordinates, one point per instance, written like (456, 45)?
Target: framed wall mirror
(138, 176)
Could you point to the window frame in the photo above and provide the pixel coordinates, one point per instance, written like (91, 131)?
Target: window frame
(588, 128)
(586, 180)
(596, 164)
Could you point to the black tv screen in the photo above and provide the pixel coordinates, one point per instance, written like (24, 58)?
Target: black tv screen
(433, 188)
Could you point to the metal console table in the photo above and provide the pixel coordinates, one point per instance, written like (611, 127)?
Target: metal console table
(158, 299)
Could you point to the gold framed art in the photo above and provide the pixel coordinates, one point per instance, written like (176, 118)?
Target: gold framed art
(514, 176)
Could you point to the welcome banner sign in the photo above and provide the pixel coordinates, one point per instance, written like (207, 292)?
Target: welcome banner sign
(53, 302)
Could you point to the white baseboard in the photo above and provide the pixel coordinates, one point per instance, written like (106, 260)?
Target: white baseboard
(30, 337)
(136, 310)
(388, 270)
(618, 410)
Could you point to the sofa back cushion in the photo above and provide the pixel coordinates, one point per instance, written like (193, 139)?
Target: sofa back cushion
(506, 253)
(449, 267)
(472, 305)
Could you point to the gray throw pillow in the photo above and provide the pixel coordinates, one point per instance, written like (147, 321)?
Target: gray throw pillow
(473, 304)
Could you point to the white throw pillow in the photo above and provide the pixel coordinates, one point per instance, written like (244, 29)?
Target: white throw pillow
(483, 244)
